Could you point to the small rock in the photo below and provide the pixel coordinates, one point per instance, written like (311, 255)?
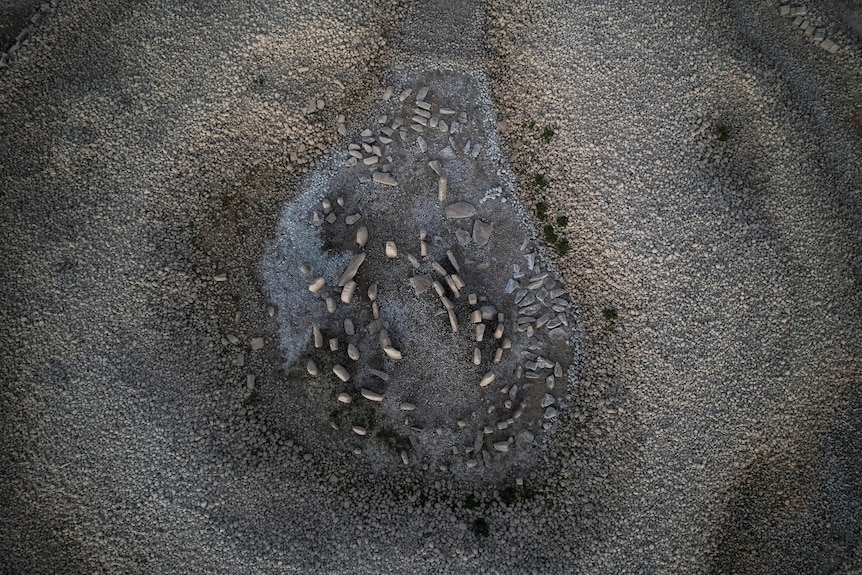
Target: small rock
(436, 166)
(352, 352)
(317, 286)
(487, 379)
(391, 250)
(477, 356)
(222, 277)
(344, 398)
(501, 446)
(341, 372)
(249, 381)
(311, 368)
(362, 236)
(384, 178)
(482, 232)
(256, 343)
(392, 353)
(550, 413)
(349, 328)
(359, 430)
(404, 406)
(547, 400)
(463, 237)
(232, 338)
(404, 458)
(448, 153)
(441, 189)
(347, 292)
(352, 219)
(333, 344)
(318, 337)
(371, 395)
(460, 210)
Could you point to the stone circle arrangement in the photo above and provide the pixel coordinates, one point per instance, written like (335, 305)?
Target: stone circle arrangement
(418, 319)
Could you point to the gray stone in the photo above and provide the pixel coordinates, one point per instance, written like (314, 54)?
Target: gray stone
(352, 267)
(371, 395)
(384, 178)
(421, 284)
(448, 153)
(460, 210)
(550, 413)
(352, 219)
(547, 400)
(344, 398)
(463, 237)
(311, 367)
(482, 232)
(436, 166)
(341, 372)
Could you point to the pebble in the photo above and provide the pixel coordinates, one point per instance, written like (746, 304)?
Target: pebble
(480, 332)
(330, 305)
(372, 291)
(423, 146)
(352, 219)
(257, 343)
(392, 353)
(550, 413)
(404, 406)
(441, 189)
(420, 95)
(311, 367)
(547, 400)
(448, 153)
(352, 352)
(318, 337)
(487, 379)
(347, 292)
(501, 446)
(317, 286)
(359, 430)
(362, 236)
(404, 458)
(371, 395)
(341, 372)
(344, 398)
(380, 374)
(391, 250)
(333, 344)
(477, 356)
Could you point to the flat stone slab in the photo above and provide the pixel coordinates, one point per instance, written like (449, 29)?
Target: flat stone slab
(460, 210)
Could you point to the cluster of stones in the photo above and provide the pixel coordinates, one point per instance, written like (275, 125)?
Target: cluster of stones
(35, 20)
(540, 301)
(808, 26)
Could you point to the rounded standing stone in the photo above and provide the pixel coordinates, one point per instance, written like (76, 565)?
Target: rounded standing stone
(311, 367)
(341, 372)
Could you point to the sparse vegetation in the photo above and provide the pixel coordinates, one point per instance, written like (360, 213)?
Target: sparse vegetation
(722, 132)
(547, 134)
(542, 211)
(541, 181)
(562, 221)
(393, 440)
(610, 315)
(252, 399)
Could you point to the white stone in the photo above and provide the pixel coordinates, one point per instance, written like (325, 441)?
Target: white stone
(487, 379)
(352, 267)
(311, 367)
(341, 372)
(372, 291)
(359, 430)
(477, 356)
(317, 286)
(391, 250)
(392, 353)
(480, 332)
(362, 236)
(371, 395)
(330, 305)
(404, 406)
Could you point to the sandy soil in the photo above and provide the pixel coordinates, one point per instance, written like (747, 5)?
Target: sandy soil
(705, 155)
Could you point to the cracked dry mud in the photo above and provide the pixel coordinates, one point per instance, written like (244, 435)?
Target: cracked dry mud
(419, 322)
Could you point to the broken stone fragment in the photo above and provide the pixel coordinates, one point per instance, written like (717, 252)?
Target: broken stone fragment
(383, 338)
(558, 370)
(550, 413)
(375, 310)
(392, 353)
(352, 352)
(448, 153)
(362, 236)
(487, 379)
(436, 166)
(498, 355)
(442, 126)
(413, 261)
(256, 343)
(405, 459)
(423, 146)
(352, 219)
(311, 367)
(501, 446)
(422, 112)
(381, 374)
(384, 178)
(317, 286)
(347, 292)
(333, 344)
(441, 189)
(476, 149)
(460, 210)
(391, 250)
(341, 372)
(352, 267)
(480, 332)
(420, 284)
(372, 291)
(349, 328)
(463, 237)
(344, 398)
(387, 93)
(331, 218)
(422, 121)
(371, 395)
(318, 337)
(452, 260)
(476, 317)
(420, 95)
(482, 232)
(453, 321)
(222, 277)
(459, 283)
(547, 400)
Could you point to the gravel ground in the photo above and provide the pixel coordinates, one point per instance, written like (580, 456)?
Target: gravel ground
(705, 156)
